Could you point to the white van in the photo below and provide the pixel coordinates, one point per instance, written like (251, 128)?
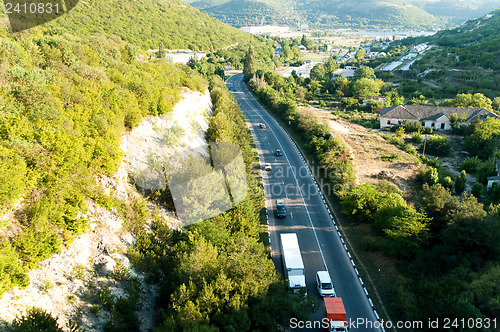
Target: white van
(324, 284)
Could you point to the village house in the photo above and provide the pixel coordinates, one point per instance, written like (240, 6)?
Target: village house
(494, 179)
(435, 117)
(376, 99)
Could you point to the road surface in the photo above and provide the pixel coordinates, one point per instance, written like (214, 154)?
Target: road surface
(307, 214)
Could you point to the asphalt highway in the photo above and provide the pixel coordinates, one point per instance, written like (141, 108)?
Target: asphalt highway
(307, 214)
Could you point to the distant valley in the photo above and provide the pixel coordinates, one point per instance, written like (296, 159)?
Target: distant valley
(366, 14)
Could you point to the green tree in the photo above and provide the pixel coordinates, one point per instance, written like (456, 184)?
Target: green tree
(364, 72)
(394, 98)
(313, 87)
(305, 41)
(300, 93)
(365, 200)
(438, 202)
(409, 231)
(420, 100)
(161, 51)
(437, 146)
(286, 53)
(366, 87)
(13, 177)
(11, 272)
(431, 176)
(478, 100)
(331, 66)
(250, 65)
(461, 182)
(318, 72)
(496, 104)
(296, 54)
(484, 138)
(360, 54)
(468, 209)
(341, 85)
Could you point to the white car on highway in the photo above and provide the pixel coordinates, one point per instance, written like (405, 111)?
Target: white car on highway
(324, 284)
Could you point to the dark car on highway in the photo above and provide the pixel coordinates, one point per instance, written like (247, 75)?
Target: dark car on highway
(279, 153)
(280, 208)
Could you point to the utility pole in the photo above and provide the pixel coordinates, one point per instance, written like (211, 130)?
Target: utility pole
(425, 141)
(495, 157)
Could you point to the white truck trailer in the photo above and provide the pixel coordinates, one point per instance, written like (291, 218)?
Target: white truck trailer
(292, 261)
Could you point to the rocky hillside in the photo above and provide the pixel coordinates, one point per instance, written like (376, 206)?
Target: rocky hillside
(66, 101)
(71, 285)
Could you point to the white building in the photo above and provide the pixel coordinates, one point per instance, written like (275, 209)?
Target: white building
(265, 29)
(494, 179)
(434, 117)
(185, 56)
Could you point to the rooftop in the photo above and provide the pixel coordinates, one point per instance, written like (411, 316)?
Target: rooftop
(424, 112)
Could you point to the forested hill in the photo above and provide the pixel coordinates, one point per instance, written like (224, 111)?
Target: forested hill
(146, 23)
(369, 14)
(478, 33)
(457, 11)
(464, 59)
(387, 14)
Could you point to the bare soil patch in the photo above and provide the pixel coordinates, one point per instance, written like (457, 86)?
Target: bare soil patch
(372, 154)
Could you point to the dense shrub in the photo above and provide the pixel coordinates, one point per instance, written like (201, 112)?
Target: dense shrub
(35, 320)
(470, 164)
(437, 146)
(404, 228)
(413, 127)
(483, 139)
(11, 270)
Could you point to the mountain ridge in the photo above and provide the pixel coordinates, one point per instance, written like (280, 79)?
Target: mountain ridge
(393, 14)
(147, 23)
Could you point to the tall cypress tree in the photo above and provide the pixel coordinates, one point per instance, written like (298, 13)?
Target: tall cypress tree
(249, 66)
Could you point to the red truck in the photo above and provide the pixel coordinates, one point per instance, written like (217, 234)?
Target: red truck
(335, 313)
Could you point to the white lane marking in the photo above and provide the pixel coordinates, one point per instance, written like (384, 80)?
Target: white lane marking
(296, 182)
(291, 214)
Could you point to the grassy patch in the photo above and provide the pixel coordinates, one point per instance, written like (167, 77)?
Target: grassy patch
(390, 157)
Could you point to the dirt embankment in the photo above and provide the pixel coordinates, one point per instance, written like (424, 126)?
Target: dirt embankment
(372, 154)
